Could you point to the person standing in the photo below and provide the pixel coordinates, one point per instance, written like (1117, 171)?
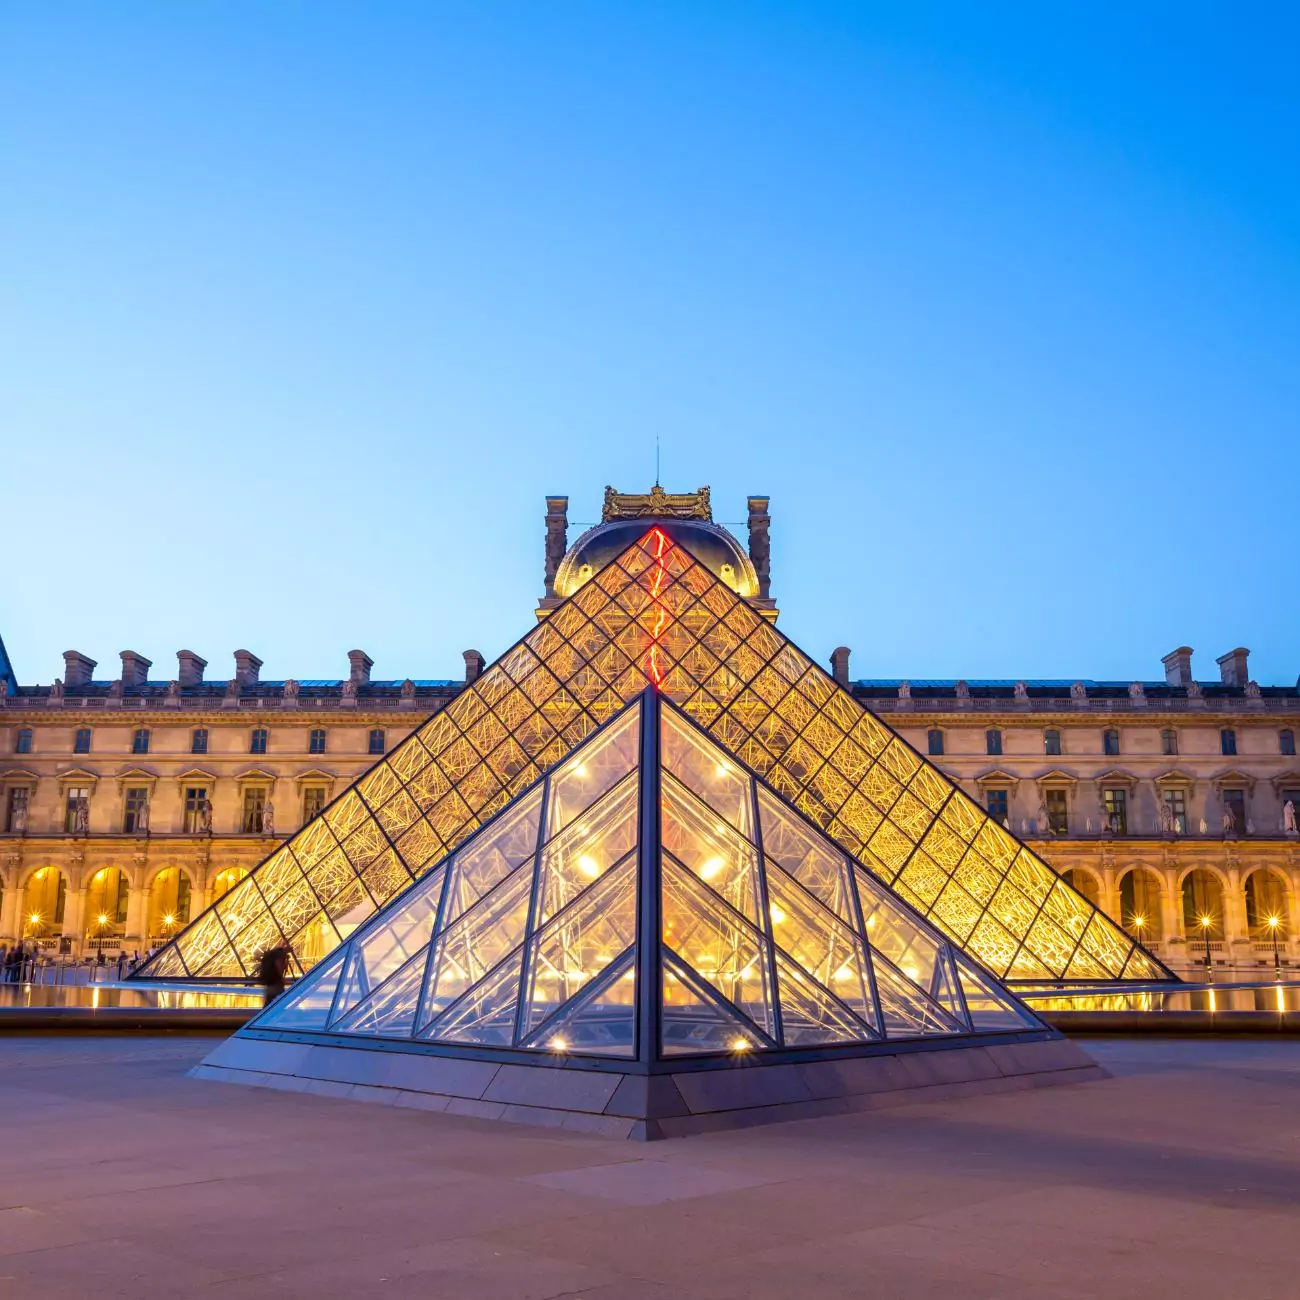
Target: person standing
(271, 972)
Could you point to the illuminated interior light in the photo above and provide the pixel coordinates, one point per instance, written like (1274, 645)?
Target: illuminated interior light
(102, 918)
(844, 973)
(558, 1044)
(740, 1044)
(711, 868)
(588, 865)
(777, 914)
(35, 918)
(580, 770)
(722, 770)
(99, 875)
(40, 875)
(169, 919)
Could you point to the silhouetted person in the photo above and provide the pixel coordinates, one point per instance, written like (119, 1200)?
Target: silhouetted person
(271, 971)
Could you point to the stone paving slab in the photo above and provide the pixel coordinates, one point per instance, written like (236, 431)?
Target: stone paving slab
(1177, 1177)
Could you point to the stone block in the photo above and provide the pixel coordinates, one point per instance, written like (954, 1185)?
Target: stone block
(422, 1101)
(955, 1065)
(261, 1054)
(646, 1096)
(1034, 1058)
(738, 1087)
(404, 1071)
(538, 1116)
(475, 1109)
(849, 1077)
(540, 1085)
(610, 1126)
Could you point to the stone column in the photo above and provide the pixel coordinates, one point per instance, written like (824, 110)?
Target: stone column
(137, 914)
(760, 550)
(1236, 930)
(557, 539)
(74, 911)
(11, 900)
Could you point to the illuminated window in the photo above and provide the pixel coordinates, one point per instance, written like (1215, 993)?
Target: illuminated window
(140, 740)
(377, 745)
(254, 811)
(257, 741)
(1110, 742)
(1286, 742)
(76, 795)
(316, 741)
(1228, 741)
(137, 796)
(199, 740)
(1234, 802)
(16, 811)
(1169, 741)
(993, 740)
(1115, 801)
(1058, 811)
(195, 797)
(24, 741)
(1051, 741)
(1176, 802)
(313, 802)
(996, 802)
(81, 741)
(934, 741)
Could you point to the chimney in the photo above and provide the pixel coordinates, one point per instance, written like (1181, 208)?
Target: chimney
(190, 670)
(557, 539)
(135, 669)
(473, 666)
(247, 666)
(1178, 666)
(1232, 667)
(361, 664)
(840, 664)
(77, 669)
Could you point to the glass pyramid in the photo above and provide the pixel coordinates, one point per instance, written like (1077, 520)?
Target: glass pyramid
(648, 900)
(656, 616)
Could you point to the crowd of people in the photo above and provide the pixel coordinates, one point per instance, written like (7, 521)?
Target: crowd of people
(19, 962)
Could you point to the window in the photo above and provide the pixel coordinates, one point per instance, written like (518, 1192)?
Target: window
(1115, 802)
(199, 740)
(140, 741)
(24, 741)
(16, 811)
(1058, 812)
(195, 797)
(254, 811)
(1228, 741)
(77, 796)
(1169, 741)
(137, 797)
(313, 801)
(993, 741)
(1176, 802)
(934, 741)
(1051, 741)
(81, 741)
(377, 745)
(316, 741)
(1286, 742)
(996, 802)
(1110, 742)
(1234, 803)
(257, 741)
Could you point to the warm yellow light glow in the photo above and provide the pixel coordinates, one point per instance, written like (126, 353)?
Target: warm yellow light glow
(99, 875)
(558, 1044)
(711, 868)
(169, 919)
(588, 865)
(102, 918)
(1274, 922)
(844, 973)
(40, 875)
(1206, 922)
(740, 1044)
(580, 770)
(1139, 922)
(35, 918)
(777, 914)
(1281, 998)
(723, 770)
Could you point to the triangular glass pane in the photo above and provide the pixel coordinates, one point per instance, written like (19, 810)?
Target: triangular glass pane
(694, 1023)
(717, 943)
(696, 837)
(581, 854)
(900, 938)
(820, 942)
(944, 988)
(307, 1004)
(810, 1015)
(905, 1010)
(992, 1008)
(488, 859)
(601, 1021)
(815, 864)
(578, 944)
(390, 1009)
(486, 1013)
(596, 768)
(462, 955)
(706, 770)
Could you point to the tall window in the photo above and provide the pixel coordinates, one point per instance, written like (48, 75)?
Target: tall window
(16, 810)
(257, 741)
(996, 802)
(1051, 741)
(316, 741)
(23, 744)
(993, 741)
(199, 740)
(1228, 741)
(1058, 812)
(1116, 805)
(934, 741)
(1176, 802)
(313, 802)
(1286, 741)
(140, 740)
(1234, 802)
(81, 741)
(1110, 741)
(137, 796)
(195, 797)
(1169, 741)
(254, 810)
(377, 745)
(76, 794)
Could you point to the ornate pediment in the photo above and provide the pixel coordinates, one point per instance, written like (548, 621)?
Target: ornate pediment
(657, 504)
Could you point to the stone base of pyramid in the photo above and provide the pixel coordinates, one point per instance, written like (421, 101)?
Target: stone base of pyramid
(734, 1093)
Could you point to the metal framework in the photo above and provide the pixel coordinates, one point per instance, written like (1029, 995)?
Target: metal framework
(655, 616)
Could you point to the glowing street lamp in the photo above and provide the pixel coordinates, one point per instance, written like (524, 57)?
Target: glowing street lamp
(1206, 922)
(1273, 922)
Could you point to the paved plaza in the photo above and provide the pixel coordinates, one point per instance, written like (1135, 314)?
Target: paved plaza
(1178, 1177)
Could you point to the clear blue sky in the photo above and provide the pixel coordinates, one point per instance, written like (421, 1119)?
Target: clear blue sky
(304, 307)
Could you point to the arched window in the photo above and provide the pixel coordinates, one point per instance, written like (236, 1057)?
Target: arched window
(169, 904)
(993, 740)
(1202, 906)
(1051, 741)
(1139, 904)
(1169, 741)
(1086, 883)
(934, 741)
(1265, 898)
(44, 900)
(1110, 741)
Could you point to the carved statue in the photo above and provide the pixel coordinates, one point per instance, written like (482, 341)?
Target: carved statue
(1022, 690)
(82, 822)
(1024, 826)
(408, 689)
(173, 690)
(290, 689)
(904, 690)
(1135, 691)
(1166, 816)
(656, 504)
(1193, 690)
(1078, 691)
(1252, 691)
(205, 815)
(268, 818)
(349, 689)
(142, 817)
(1205, 830)
(20, 816)
(1044, 818)
(1288, 818)
(760, 545)
(1250, 826)
(115, 689)
(963, 691)
(1228, 822)
(56, 691)
(232, 688)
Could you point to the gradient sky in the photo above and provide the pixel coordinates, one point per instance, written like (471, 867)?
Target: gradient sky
(304, 307)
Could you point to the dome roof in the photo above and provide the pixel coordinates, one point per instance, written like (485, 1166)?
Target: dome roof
(709, 543)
